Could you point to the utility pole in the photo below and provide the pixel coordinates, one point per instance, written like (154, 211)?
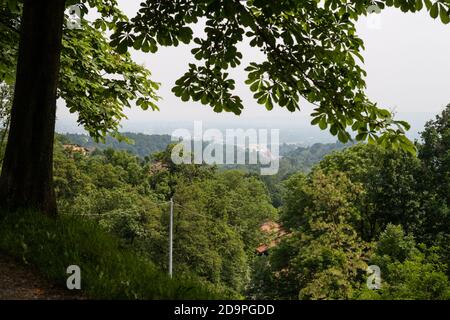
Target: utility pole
(171, 238)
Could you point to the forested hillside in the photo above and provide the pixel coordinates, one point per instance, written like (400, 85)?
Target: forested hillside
(293, 158)
(367, 217)
(217, 215)
(360, 206)
(138, 144)
(365, 206)
(342, 208)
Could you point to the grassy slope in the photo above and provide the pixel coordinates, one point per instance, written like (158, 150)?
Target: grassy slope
(107, 271)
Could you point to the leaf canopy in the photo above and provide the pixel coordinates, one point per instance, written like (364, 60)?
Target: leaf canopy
(96, 81)
(311, 50)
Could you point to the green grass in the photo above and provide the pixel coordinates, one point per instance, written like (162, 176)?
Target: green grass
(107, 270)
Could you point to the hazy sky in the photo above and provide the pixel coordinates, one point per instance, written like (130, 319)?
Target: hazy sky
(407, 59)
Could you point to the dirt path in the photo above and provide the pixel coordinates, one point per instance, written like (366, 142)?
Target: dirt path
(19, 282)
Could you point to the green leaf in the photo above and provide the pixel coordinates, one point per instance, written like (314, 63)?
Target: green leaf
(434, 11)
(445, 17)
(323, 123)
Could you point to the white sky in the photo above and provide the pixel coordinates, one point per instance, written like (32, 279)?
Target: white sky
(407, 60)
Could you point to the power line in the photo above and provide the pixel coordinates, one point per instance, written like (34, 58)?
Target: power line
(171, 202)
(111, 213)
(192, 212)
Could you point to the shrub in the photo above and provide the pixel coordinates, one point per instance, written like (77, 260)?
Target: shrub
(108, 271)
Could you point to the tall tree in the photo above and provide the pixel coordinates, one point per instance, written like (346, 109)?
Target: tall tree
(391, 180)
(27, 172)
(435, 178)
(87, 61)
(323, 257)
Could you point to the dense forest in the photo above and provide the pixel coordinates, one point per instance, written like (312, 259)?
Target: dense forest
(128, 195)
(293, 157)
(340, 208)
(363, 205)
(365, 218)
(138, 144)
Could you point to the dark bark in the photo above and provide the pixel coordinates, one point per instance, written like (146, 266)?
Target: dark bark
(27, 175)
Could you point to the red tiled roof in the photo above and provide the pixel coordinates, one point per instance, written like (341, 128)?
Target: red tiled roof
(276, 231)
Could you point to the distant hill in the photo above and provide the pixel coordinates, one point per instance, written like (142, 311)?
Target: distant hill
(144, 145)
(304, 158)
(293, 157)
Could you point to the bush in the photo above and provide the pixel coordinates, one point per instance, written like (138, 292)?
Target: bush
(107, 270)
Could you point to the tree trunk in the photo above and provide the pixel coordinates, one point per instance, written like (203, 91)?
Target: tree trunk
(27, 175)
